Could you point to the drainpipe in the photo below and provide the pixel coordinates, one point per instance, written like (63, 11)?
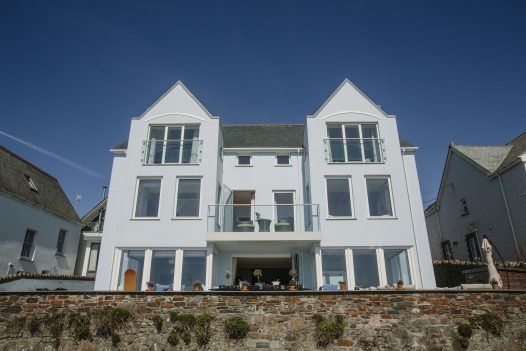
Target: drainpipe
(509, 218)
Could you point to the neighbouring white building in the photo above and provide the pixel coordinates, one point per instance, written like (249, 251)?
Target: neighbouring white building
(336, 198)
(39, 228)
(482, 192)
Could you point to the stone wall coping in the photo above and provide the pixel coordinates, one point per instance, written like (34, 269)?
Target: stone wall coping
(269, 293)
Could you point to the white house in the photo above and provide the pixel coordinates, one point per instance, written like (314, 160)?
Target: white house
(336, 198)
(39, 229)
(482, 192)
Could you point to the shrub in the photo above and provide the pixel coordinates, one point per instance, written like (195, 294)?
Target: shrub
(236, 328)
(465, 330)
(203, 330)
(490, 322)
(33, 325)
(184, 325)
(326, 331)
(80, 325)
(173, 339)
(109, 320)
(54, 323)
(158, 323)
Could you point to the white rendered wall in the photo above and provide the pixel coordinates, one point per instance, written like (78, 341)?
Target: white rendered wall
(15, 218)
(514, 184)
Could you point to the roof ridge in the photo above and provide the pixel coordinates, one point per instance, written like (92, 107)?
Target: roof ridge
(517, 137)
(454, 145)
(27, 162)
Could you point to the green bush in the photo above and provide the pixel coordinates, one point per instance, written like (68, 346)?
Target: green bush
(326, 331)
(236, 328)
(80, 326)
(173, 338)
(203, 331)
(183, 325)
(55, 323)
(33, 325)
(490, 322)
(108, 321)
(465, 330)
(158, 323)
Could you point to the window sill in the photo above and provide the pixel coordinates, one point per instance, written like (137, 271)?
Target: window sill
(186, 218)
(282, 165)
(343, 218)
(145, 219)
(244, 166)
(171, 164)
(386, 217)
(21, 258)
(356, 163)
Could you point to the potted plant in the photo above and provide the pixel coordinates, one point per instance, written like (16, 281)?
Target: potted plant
(343, 285)
(150, 285)
(400, 284)
(494, 283)
(244, 285)
(197, 286)
(275, 283)
(258, 273)
(228, 276)
(292, 282)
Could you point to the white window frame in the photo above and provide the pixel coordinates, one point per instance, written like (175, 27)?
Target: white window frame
(276, 164)
(181, 141)
(344, 137)
(31, 183)
(32, 248)
(61, 252)
(391, 195)
(174, 215)
(88, 252)
(274, 205)
(240, 165)
(349, 182)
(136, 198)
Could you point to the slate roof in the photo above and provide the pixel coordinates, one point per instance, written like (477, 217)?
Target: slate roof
(122, 146)
(14, 171)
(263, 135)
(517, 148)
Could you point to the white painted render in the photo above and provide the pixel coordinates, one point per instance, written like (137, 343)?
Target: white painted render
(16, 217)
(308, 167)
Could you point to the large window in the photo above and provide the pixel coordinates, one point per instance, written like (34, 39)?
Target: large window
(93, 258)
(60, 241)
(339, 197)
(27, 246)
(284, 211)
(194, 268)
(147, 198)
(188, 196)
(379, 197)
(163, 269)
(173, 144)
(333, 268)
(131, 269)
(365, 268)
(354, 143)
(397, 266)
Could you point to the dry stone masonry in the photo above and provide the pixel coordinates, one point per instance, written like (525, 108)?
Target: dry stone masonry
(380, 320)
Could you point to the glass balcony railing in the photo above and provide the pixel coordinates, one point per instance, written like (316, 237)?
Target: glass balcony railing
(187, 151)
(264, 218)
(354, 150)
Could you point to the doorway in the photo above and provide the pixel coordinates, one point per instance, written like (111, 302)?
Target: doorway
(273, 268)
(243, 211)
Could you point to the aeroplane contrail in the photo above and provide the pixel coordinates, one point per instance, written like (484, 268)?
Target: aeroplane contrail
(53, 155)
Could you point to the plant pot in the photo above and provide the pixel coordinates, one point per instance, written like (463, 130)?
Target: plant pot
(343, 286)
(244, 288)
(292, 288)
(399, 286)
(197, 289)
(495, 285)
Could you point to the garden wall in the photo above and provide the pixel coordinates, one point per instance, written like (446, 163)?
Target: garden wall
(373, 320)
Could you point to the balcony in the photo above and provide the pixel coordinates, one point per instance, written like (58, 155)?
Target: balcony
(354, 150)
(263, 218)
(171, 151)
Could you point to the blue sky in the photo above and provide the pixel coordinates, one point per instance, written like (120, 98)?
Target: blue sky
(73, 73)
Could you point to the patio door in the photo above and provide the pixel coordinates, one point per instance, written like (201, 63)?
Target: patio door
(284, 219)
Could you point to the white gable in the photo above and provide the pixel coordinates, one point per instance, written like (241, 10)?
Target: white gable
(348, 99)
(178, 100)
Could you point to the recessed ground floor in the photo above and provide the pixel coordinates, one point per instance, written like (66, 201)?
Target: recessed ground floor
(309, 264)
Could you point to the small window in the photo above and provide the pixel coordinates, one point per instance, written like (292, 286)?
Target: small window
(379, 197)
(93, 257)
(147, 198)
(60, 241)
(27, 247)
(447, 250)
(188, 196)
(282, 160)
(31, 183)
(472, 243)
(465, 210)
(244, 160)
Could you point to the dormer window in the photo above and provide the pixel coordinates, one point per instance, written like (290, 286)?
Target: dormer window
(348, 143)
(31, 183)
(172, 145)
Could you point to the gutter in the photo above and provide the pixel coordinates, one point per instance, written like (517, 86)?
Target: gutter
(509, 218)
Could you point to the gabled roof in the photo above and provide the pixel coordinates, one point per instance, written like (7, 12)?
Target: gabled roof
(263, 135)
(487, 157)
(517, 148)
(94, 212)
(15, 173)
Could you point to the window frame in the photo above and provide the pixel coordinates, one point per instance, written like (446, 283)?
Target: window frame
(32, 245)
(275, 205)
(244, 165)
(96, 259)
(391, 196)
(361, 138)
(178, 179)
(351, 196)
(63, 241)
(469, 237)
(31, 183)
(277, 164)
(181, 142)
(138, 181)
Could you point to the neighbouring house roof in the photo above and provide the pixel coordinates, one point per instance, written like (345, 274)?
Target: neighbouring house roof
(15, 176)
(263, 135)
(517, 148)
(487, 157)
(94, 212)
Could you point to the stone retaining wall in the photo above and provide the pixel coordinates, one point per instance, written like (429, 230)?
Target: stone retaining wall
(378, 320)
